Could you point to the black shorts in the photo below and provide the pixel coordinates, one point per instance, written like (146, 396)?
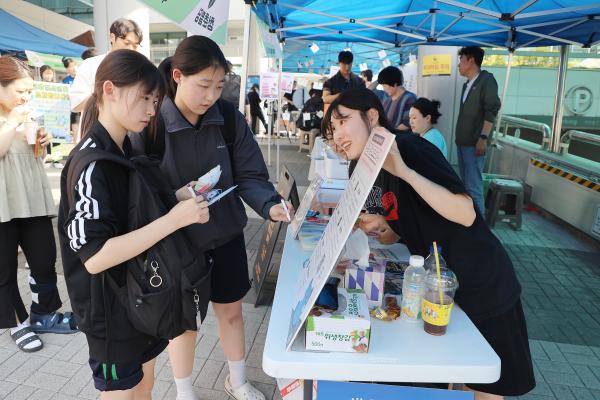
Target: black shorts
(507, 334)
(124, 376)
(229, 278)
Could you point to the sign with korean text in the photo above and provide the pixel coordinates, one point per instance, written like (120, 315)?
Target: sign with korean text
(287, 188)
(51, 100)
(269, 85)
(436, 64)
(200, 17)
(317, 268)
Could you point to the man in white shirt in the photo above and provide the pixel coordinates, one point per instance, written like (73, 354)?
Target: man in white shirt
(124, 34)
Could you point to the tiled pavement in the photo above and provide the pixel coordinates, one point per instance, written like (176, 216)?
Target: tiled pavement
(558, 269)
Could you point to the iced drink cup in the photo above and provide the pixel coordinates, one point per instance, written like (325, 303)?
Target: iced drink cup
(438, 301)
(30, 129)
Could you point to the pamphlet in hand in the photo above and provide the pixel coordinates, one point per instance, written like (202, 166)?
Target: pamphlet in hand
(215, 195)
(208, 181)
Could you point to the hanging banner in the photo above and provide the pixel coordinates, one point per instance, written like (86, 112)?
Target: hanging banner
(269, 40)
(287, 82)
(269, 85)
(437, 64)
(199, 17)
(52, 101)
(38, 59)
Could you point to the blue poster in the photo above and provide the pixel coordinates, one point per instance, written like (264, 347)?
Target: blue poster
(328, 390)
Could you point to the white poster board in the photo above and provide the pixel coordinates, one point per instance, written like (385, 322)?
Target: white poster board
(304, 206)
(324, 257)
(269, 84)
(287, 82)
(410, 73)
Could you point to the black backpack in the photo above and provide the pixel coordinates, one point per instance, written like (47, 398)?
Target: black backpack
(169, 284)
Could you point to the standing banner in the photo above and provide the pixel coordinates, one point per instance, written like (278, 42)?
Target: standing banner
(51, 100)
(317, 268)
(286, 187)
(269, 89)
(269, 40)
(200, 17)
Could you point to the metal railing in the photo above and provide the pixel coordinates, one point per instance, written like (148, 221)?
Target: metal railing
(507, 122)
(567, 137)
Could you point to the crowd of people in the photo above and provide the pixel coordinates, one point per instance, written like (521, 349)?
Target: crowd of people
(175, 114)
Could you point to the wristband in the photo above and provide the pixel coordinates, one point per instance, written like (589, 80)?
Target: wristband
(482, 136)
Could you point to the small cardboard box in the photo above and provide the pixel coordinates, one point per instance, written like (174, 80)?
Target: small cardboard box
(370, 279)
(347, 330)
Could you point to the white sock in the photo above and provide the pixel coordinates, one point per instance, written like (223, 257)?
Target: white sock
(28, 346)
(185, 391)
(237, 373)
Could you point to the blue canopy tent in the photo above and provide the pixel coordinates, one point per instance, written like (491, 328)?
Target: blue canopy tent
(396, 25)
(400, 25)
(18, 35)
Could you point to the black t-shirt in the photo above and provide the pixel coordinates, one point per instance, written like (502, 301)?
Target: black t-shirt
(487, 281)
(338, 84)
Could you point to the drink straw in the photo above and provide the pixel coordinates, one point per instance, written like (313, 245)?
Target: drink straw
(439, 275)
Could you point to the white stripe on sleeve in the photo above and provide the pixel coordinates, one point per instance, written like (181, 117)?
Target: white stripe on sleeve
(86, 207)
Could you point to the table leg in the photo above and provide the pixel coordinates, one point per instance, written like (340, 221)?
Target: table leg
(308, 389)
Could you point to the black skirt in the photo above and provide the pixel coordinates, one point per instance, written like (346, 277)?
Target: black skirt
(507, 334)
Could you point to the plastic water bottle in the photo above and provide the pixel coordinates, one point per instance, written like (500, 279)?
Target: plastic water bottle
(430, 260)
(412, 289)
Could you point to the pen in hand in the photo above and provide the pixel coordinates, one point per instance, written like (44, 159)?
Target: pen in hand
(287, 212)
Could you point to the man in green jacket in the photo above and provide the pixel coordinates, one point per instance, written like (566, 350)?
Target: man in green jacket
(479, 106)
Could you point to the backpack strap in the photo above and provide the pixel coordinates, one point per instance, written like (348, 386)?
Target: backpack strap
(228, 130)
(81, 159)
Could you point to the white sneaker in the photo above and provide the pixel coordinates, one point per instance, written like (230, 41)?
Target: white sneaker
(244, 392)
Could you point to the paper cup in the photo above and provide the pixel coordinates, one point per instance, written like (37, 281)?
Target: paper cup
(30, 128)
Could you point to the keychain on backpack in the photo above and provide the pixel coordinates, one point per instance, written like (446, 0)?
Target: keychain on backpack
(155, 280)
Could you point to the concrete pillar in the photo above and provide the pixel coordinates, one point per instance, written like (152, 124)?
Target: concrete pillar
(256, 52)
(107, 11)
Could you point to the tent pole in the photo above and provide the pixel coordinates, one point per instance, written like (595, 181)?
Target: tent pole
(504, 91)
(496, 131)
(557, 114)
(279, 112)
(557, 11)
(269, 133)
(577, 22)
(246, 55)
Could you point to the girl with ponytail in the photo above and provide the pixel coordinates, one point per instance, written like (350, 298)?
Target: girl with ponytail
(201, 132)
(93, 226)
